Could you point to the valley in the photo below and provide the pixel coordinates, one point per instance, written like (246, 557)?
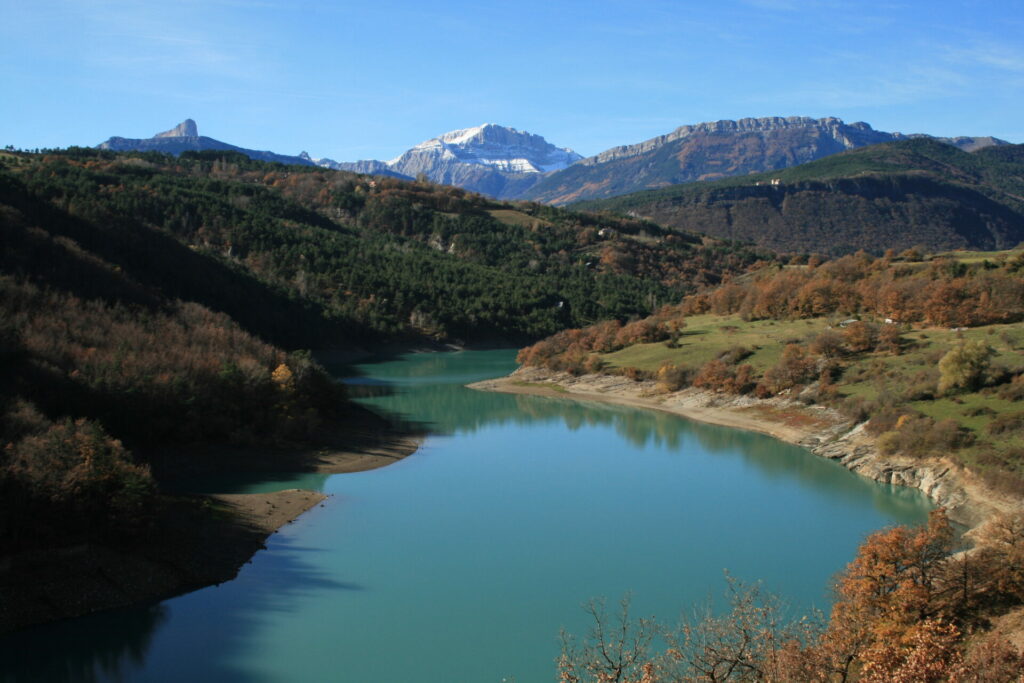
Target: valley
(159, 309)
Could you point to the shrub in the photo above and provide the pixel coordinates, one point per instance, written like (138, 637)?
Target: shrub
(1013, 390)
(855, 408)
(795, 367)
(860, 336)
(76, 478)
(1007, 482)
(889, 443)
(717, 375)
(635, 374)
(1010, 422)
(593, 364)
(919, 436)
(885, 420)
(964, 366)
(735, 354)
(828, 343)
(673, 377)
(922, 386)
(890, 339)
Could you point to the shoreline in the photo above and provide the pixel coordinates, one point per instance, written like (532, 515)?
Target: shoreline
(196, 540)
(821, 430)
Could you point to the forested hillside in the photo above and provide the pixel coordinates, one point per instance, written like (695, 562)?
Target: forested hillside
(931, 350)
(351, 258)
(920, 357)
(895, 195)
(100, 361)
(149, 301)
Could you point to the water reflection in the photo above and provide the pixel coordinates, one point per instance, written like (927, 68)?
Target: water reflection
(513, 515)
(441, 405)
(115, 641)
(119, 644)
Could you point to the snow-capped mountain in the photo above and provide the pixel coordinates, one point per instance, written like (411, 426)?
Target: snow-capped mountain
(501, 148)
(510, 164)
(491, 159)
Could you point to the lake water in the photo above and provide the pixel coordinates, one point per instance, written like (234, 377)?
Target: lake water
(462, 562)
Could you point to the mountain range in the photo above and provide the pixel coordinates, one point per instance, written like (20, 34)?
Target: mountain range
(489, 159)
(911, 192)
(506, 163)
(709, 151)
(185, 138)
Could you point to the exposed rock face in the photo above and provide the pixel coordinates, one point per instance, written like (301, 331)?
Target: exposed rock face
(895, 195)
(510, 164)
(185, 129)
(708, 151)
(491, 159)
(940, 481)
(830, 132)
(185, 138)
(504, 149)
(971, 144)
(370, 167)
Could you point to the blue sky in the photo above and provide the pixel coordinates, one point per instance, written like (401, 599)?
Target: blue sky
(364, 80)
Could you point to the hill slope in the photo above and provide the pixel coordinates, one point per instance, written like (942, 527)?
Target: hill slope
(895, 195)
(708, 151)
(155, 302)
(355, 259)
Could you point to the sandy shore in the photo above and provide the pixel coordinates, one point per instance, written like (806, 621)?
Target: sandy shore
(821, 430)
(195, 541)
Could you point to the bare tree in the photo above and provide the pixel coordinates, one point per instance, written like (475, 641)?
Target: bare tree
(616, 651)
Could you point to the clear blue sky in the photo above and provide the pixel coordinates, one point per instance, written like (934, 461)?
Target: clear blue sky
(361, 80)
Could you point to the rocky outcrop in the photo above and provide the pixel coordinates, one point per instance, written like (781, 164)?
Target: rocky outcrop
(510, 164)
(490, 159)
(713, 150)
(942, 481)
(503, 149)
(842, 135)
(185, 138)
(370, 167)
(185, 129)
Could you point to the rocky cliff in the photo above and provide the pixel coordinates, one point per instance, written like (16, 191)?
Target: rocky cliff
(185, 138)
(709, 151)
(490, 159)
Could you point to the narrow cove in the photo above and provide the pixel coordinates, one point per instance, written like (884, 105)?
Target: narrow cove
(463, 561)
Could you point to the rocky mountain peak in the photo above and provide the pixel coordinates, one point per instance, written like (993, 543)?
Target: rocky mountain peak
(845, 135)
(185, 129)
(498, 147)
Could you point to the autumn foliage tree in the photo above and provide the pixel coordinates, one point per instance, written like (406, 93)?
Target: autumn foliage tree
(947, 293)
(797, 366)
(903, 612)
(894, 584)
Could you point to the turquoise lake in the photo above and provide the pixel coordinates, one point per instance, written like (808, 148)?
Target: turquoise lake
(462, 562)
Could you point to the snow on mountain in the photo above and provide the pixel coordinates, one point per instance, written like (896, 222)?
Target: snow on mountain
(491, 159)
(504, 149)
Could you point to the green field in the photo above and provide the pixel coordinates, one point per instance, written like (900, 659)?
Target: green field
(981, 256)
(708, 336)
(907, 379)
